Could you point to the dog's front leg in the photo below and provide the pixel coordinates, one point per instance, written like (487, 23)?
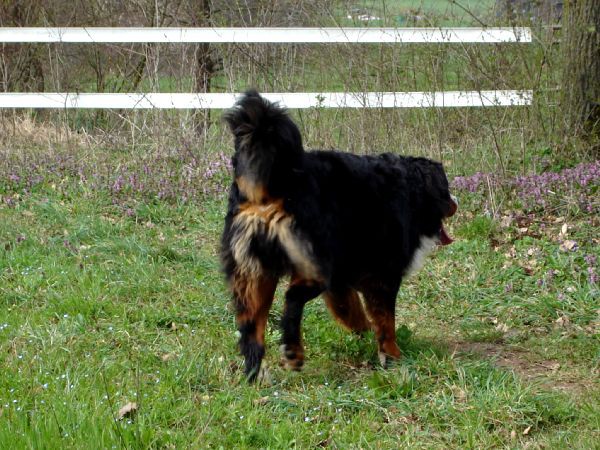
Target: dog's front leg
(253, 297)
(298, 294)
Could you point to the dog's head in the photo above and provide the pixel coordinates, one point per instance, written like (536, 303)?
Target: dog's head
(267, 142)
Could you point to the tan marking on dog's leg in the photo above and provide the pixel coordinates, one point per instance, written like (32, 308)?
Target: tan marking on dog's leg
(384, 325)
(348, 310)
(253, 296)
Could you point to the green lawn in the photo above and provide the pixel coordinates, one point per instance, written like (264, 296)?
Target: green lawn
(416, 12)
(100, 308)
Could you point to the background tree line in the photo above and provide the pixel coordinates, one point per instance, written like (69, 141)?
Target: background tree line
(567, 74)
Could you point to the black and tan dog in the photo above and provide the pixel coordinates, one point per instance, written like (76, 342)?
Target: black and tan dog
(336, 223)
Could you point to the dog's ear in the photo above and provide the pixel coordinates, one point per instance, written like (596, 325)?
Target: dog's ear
(260, 124)
(251, 92)
(248, 114)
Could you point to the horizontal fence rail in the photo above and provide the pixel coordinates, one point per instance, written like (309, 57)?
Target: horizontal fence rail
(290, 100)
(264, 35)
(70, 100)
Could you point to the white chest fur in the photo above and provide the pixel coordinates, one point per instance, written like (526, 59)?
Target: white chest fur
(426, 246)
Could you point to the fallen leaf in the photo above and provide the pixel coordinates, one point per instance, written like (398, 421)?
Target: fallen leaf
(568, 245)
(234, 366)
(553, 366)
(513, 434)
(502, 327)
(562, 321)
(459, 394)
(526, 430)
(324, 443)
(523, 230)
(127, 411)
(528, 270)
(563, 230)
(506, 221)
(261, 401)
(168, 357)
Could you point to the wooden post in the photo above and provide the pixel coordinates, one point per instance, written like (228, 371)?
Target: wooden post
(205, 65)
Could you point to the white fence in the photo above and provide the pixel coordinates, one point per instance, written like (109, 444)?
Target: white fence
(266, 35)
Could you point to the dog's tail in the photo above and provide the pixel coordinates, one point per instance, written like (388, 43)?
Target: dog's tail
(254, 120)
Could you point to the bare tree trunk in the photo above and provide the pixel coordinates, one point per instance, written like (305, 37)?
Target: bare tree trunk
(205, 64)
(581, 75)
(26, 60)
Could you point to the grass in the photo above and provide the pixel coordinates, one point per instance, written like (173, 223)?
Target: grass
(416, 12)
(99, 308)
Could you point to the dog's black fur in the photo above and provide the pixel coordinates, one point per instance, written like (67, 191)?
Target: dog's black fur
(336, 223)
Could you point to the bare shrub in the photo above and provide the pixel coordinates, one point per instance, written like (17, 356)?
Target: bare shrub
(466, 139)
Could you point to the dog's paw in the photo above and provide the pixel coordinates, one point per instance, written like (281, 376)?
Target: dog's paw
(293, 357)
(387, 361)
(383, 359)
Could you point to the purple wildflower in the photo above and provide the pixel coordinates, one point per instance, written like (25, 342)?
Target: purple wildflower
(536, 191)
(118, 184)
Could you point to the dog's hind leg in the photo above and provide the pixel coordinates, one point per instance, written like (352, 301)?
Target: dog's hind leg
(298, 294)
(253, 296)
(346, 307)
(381, 306)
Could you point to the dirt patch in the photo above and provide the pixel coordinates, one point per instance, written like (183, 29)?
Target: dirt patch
(527, 365)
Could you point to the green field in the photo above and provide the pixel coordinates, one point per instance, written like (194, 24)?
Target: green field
(107, 300)
(417, 12)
